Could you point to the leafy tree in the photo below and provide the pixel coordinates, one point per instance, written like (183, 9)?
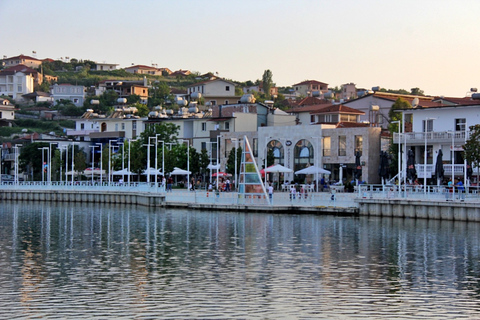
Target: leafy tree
(394, 115)
(159, 94)
(267, 80)
(142, 110)
(133, 98)
(30, 159)
(472, 147)
(416, 91)
(204, 161)
(80, 161)
(231, 160)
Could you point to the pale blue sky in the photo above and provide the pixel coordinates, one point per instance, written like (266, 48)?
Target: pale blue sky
(430, 44)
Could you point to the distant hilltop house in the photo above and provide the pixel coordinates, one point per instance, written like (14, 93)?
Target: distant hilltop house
(259, 88)
(214, 92)
(23, 60)
(310, 88)
(142, 69)
(7, 112)
(106, 66)
(180, 73)
(76, 94)
(18, 80)
(125, 88)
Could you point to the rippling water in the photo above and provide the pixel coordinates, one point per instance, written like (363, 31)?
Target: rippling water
(95, 261)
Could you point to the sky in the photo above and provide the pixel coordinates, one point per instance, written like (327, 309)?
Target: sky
(429, 44)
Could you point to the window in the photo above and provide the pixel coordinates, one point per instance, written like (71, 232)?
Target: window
(358, 144)
(123, 126)
(204, 146)
(116, 126)
(204, 126)
(460, 124)
(342, 145)
(303, 154)
(428, 125)
(226, 102)
(227, 125)
(327, 146)
(312, 118)
(82, 126)
(19, 88)
(134, 125)
(227, 88)
(75, 100)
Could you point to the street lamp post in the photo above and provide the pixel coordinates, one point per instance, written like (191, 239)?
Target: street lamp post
(93, 159)
(163, 157)
(398, 156)
(425, 156)
(110, 160)
(43, 163)
(50, 162)
(73, 159)
(101, 162)
(123, 167)
(16, 162)
(236, 151)
(148, 159)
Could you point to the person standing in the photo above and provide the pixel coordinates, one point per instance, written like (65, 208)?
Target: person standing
(270, 193)
(227, 185)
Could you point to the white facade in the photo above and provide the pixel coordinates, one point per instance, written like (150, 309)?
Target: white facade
(15, 85)
(76, 94)
(447, 129)
(7, 110)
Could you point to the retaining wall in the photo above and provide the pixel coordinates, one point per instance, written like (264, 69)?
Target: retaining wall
(144, 199)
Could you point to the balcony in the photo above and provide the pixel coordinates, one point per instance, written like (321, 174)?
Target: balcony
(441, 137)
(430, 170)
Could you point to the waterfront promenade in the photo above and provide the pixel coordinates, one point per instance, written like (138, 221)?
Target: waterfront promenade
(375, 200)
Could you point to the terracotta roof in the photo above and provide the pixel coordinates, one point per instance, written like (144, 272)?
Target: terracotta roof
(309, 82)
(308, 101)
(456, 101)
(140, 66)
(22, 57)
(310, 109)
(338, 108)
(19, 68)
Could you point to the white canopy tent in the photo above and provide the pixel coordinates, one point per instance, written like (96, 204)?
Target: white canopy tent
(313, 170)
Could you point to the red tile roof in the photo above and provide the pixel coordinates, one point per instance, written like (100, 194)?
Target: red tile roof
(338, 108)
(19, 68)
(22, 57)
(306, 82)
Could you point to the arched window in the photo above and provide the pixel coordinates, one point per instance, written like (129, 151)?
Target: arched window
(303, 154)
(278, 151)
(103, 127)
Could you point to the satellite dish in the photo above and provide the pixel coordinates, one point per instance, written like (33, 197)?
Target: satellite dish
(415, 102)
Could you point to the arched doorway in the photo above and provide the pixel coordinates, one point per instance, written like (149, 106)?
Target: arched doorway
(278, 151)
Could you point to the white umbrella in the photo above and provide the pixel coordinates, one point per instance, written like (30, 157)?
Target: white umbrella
(123, 172)
(312, 170)
(213, 166)
(151, 171)
(178, 171)
(278, 168)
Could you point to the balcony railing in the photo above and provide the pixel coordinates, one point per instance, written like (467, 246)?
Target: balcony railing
(430, 170)
(417, 138)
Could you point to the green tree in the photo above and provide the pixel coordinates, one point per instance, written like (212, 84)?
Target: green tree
(267, 83)
(142, 110)
(30, 159)
(394, 115)
(417, 91)
(80, 161)
(133, 98)
(472, 147)
(159, 94)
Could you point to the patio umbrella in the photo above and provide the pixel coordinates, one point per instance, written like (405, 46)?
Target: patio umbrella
(123, 172)
(179, 172)
(279, 168)
(312, 170)
(151, 171)
(469, 170)
(411, 171)
(358, 166)
(439, 171)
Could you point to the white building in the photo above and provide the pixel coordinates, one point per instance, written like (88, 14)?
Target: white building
(76, 94)
(17, 81)
(215, 92)
(442, 125)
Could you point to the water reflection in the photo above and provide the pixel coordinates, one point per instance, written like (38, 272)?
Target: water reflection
(86, 260)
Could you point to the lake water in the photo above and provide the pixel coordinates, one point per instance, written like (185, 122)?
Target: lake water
(95, 261)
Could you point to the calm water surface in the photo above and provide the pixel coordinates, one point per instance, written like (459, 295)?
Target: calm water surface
(94, 261)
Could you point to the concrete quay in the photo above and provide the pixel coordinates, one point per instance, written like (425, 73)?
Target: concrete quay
(420, 209)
